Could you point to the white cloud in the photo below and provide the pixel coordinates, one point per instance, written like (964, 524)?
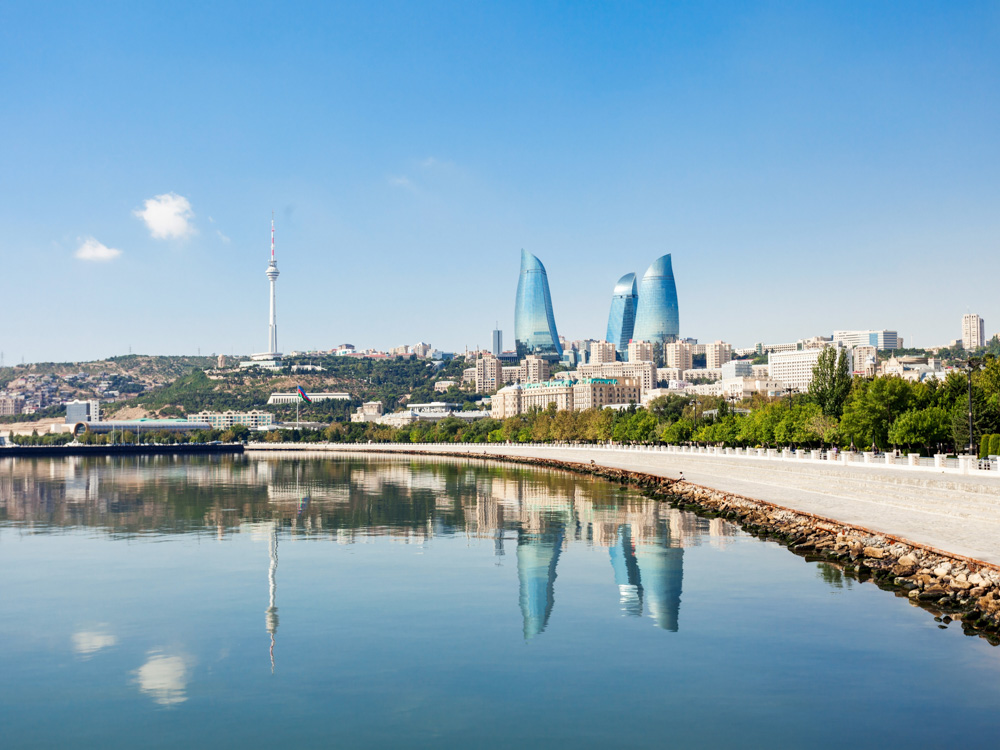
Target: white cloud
(167, 216)
(164, 678)
(92, 250)
(223, 237)
(401, 182)
(88, 642)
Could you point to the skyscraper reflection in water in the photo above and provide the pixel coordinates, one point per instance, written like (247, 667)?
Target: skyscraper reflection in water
(537, 557)
(649, 574)
(626, 569)
(662, 571)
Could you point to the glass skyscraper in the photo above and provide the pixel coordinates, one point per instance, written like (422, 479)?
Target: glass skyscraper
(656, 318)
(534, 324)
(621, 320)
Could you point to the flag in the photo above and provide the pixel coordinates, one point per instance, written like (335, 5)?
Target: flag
(303, 395)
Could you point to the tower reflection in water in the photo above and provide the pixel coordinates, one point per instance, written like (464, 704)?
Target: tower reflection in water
(271, 614)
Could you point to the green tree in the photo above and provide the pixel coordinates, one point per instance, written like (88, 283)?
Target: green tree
(831, 382)
(923, 427)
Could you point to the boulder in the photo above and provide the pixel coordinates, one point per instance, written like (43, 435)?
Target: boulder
(875, 552)
(943, 569)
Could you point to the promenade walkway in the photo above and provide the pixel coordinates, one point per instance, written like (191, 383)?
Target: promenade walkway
(943, 508)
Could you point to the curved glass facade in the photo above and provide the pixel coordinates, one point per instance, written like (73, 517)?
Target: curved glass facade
(534, 324)
(621, 320)
(656, 318)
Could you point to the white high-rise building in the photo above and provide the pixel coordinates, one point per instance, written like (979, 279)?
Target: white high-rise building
(795, 369)
(677, 354)
(881, 340)
(717, 354)
(640, 351)
(601, 352)
(973, 331)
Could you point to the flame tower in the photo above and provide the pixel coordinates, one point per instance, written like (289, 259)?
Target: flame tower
(272, 275)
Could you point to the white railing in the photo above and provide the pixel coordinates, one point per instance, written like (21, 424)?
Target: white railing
(939, 463)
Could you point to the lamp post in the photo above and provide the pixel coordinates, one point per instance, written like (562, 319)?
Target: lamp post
(971, 365)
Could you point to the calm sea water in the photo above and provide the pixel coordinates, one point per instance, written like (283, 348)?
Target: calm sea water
(237, 602)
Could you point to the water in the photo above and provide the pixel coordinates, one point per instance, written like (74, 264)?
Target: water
(237, 602)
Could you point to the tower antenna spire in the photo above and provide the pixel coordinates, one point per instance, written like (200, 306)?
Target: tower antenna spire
(272, 235)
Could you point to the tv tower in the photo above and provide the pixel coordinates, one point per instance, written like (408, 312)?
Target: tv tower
(272, 275)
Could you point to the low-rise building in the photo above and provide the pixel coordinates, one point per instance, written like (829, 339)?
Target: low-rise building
(255, 420)
(83, 411)
(11, 404)
(443, 385)
(702, 373)
(916, 369)
(664, 374)
(737, 368)
(369, 411)
(741, 388)
(644, 372)
(565, 394)
(291, 398)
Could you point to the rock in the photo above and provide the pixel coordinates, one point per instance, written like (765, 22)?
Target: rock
(932, 594)
(943, 569)
(976, 580)
(875, 552)
(904, 570)
(909, 560)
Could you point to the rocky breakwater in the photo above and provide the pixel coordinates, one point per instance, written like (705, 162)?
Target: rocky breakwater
(951, 587)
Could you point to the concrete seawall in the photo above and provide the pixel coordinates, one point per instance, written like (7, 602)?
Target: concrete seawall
(947, 510)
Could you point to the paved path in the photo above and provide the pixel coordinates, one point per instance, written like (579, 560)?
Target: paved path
(954, 513)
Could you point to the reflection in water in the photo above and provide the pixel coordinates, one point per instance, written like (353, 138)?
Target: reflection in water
(662, 570)
(833, 576)
(89, 642)
(164, 678)
(271, 617)
(348, 499)
(537, 557)
(627, 572)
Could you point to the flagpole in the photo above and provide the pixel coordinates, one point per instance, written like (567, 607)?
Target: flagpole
(296, 415)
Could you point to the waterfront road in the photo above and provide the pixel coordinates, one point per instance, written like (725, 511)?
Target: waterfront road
(952, 512)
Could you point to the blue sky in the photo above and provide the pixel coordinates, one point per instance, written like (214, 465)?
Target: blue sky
(810, 166)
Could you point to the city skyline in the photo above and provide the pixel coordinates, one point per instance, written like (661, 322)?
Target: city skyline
(780, 166)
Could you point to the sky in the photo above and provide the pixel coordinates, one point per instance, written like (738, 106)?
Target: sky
(809, 166)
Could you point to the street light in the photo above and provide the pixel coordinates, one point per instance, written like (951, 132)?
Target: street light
(973, 364)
